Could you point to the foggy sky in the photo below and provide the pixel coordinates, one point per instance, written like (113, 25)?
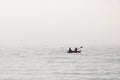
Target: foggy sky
(42, 22)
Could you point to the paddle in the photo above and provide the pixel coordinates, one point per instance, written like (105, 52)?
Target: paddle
(80, 47)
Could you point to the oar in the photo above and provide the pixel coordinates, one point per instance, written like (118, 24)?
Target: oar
(80, 47)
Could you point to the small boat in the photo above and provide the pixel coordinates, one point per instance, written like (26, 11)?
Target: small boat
(74, 51)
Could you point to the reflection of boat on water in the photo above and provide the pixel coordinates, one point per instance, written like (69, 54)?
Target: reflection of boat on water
(74, 51)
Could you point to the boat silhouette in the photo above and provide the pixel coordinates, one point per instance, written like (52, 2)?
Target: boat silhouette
(74, 51)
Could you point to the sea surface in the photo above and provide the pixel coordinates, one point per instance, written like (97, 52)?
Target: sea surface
(53, 63)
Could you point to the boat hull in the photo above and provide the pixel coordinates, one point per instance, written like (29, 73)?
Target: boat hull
(74, 52)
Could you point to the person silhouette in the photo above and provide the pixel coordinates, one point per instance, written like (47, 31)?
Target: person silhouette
(70, 50)
(75, 50)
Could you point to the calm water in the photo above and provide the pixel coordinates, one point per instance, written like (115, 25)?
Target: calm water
(94, 63)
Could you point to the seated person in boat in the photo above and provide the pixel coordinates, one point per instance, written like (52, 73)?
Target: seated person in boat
(76, 50)
(70, 50)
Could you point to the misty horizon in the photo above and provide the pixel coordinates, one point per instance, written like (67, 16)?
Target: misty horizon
(64, 22)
